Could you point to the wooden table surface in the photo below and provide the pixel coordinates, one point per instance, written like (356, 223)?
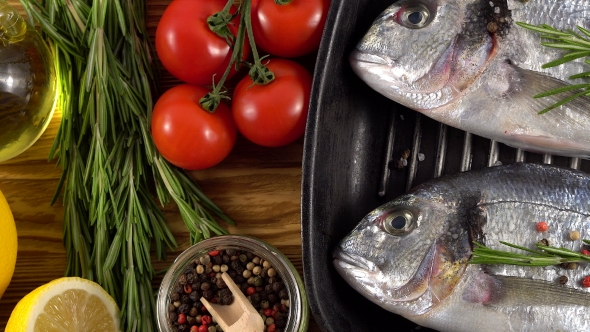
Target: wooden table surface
(259, 188)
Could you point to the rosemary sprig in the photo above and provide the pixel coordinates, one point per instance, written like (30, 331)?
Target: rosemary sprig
(545, 256)
(577, 45)
(108, 159)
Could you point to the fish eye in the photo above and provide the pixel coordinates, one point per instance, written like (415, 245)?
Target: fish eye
(415, 17)
(398, 222)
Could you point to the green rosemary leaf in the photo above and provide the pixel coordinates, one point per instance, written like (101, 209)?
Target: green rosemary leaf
(580, 75)
(561, 90)
(567, 58)
(566, 46)
(542, 29)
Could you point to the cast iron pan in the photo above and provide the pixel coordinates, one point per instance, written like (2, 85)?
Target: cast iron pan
(353, 143)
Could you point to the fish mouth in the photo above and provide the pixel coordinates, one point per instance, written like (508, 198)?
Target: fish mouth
(368, 58)
(352, 262)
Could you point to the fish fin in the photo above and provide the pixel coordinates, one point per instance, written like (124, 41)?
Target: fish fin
(517, 291)
(520, 85)
(528, 83)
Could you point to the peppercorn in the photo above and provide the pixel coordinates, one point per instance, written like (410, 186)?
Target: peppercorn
(208, 294)
(562, 280)
(182, 279)
(269, 321)
(206, 319)
(257, 270)
(271, 328)
(194, 328)
(258, 281)
(226, 258)
(250, 290)
(194, 296)
(181, 318)
(175, 297)
(574, 235)
(271, 272)
(542, 226)
(183, 309)
(193, 312)
(212, 329)
(205, 259)
(191, 320)
(188, 289)
(203, 328)
(277, 286)
(183, 327)
(243, 258)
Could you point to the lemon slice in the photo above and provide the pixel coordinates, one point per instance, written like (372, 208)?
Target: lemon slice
(66, 305)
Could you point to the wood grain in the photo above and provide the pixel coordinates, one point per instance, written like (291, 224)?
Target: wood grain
(259, 188)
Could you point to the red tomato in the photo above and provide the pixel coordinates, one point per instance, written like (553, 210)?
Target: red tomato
(188, 136)
(186, 46)
(289, 30)
(273, 114)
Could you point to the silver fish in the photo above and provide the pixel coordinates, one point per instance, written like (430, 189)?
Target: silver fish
(467, 64)
(410, 256)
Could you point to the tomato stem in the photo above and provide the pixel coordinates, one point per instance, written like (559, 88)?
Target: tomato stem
(219, 22)
(259, 73)
(212, 99)
(283, 2)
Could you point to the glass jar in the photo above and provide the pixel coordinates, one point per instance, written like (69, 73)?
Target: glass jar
(28, 84)
(298, 312)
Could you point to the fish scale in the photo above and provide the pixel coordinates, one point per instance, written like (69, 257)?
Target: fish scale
(423, 275)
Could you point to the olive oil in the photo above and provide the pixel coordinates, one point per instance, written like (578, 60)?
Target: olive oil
(27, 84)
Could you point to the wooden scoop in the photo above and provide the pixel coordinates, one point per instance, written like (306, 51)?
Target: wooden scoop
(240, 316)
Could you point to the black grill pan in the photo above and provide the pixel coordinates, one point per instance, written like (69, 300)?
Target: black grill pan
(351, 164)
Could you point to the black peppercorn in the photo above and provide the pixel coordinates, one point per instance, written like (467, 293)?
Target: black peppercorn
(283, 294)
(208, 294)
(182, 279)
(193, 312)
(194, 296)
(173, 316)
(226, 259)
(277, 286)
(185, 299)
(184, 308)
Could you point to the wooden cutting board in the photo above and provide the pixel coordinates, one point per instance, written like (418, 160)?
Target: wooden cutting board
(259, 188)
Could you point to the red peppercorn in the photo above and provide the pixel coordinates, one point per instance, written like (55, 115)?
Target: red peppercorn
(194, 328)
(271, 328)
(542, 226)
(586, 281)
(212, 274)
(203, 328)
(214, 253)
(204, 309)
(585, 252)
(268, 312)
(188, 289)
(181, 319)
(206, 319)
(250, 290)
(214, 299)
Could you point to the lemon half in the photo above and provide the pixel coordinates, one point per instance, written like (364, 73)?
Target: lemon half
(8, 245)
(65, 304)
